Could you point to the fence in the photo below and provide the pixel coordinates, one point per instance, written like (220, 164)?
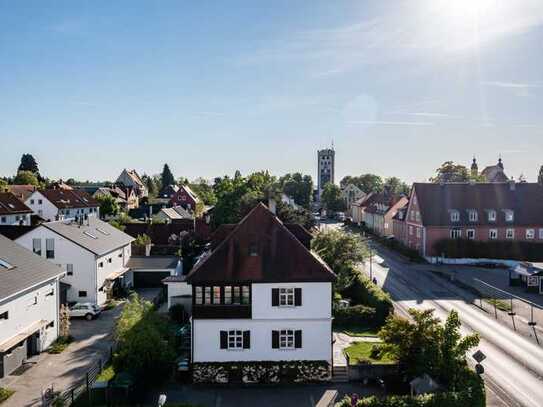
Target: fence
(82, 387)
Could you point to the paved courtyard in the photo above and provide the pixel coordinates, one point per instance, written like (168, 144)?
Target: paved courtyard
(93, 341)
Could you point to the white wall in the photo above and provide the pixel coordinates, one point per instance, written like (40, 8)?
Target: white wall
(117, 264)
(177, 288)
(316, 301)
(15, 220)
(316, 340)
(49, 212)
(29, 307)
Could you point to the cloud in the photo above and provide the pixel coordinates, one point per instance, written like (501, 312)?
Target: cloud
(512, 85)
(388, 123)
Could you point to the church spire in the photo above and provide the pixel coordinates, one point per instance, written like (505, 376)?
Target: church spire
(474, 167)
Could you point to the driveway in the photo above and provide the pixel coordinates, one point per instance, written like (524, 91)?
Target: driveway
(93, 341)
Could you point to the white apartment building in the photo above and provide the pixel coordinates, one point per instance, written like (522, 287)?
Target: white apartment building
(12, 211)
(62, 204)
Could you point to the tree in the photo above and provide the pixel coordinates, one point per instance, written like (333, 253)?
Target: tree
(366, 182)
(26, 178)
(395, 186)
(451, 172)
(149, 184)
(300, 216)
(108, 206)
(540, 176)
(28, 163)
(299, 187)
(204, 191)
(331, 198)
(342, 251)
(426, 346)
(166, 177)
(3, 184)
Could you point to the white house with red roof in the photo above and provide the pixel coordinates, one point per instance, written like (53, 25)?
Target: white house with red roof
(62, 204)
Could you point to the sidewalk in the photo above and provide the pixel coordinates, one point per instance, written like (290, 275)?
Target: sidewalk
(93, 341)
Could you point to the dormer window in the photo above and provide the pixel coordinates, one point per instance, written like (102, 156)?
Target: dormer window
(509, 215)
(455, 216)
(492, 215)
(472, 213)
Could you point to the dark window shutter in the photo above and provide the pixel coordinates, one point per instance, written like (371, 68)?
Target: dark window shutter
(275, 339)
(275, 297)
(298, 339)
(246, 339)
(298, 297)
(224, 340)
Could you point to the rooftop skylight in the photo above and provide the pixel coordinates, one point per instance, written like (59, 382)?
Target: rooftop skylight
(4, 264)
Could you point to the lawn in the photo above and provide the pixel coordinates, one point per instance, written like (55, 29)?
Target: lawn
(500, 304)
(361, 352)
(357, 331)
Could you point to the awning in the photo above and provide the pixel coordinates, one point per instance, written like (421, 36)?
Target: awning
(116, 274)
(527, 270)
(14, 340)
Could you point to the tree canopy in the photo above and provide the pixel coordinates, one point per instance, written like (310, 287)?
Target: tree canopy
(166, 178)
(452, 172)
(366, 182)
(108, 206)
(204, 191)
(26, 178)
(28, 163)
(396, 186)
(299, 187)
(331, 198)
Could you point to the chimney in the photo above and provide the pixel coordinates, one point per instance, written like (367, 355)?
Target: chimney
(272, 206)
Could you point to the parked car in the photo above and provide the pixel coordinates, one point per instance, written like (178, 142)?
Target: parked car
(85, 310)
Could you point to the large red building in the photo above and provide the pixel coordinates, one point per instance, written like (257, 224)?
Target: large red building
(185, 197)
(506, 211)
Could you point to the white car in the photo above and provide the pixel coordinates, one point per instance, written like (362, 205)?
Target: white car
(85, 310)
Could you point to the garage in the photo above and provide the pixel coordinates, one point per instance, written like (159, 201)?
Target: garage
(149, 271)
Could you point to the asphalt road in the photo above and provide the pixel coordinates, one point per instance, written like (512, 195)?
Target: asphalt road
(514, 365)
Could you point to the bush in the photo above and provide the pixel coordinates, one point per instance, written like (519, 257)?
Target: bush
(355, 315)
(363, 291)
(177, 313)
(5, 394)
(60, 344)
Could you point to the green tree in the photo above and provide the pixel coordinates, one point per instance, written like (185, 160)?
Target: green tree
(395, 186)
(108, 206)
(166, 178)
(366, 182)
(26, 178)
(3, 184)
(150, 184)
(204, 191)
(28, 163)
(331, 198)
(451, 172)
(343, 252)
(299, 187)
(300, 216)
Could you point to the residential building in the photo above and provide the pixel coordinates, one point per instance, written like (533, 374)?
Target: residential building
(399, 225)
(130, 178)
(93, 254)
(62, 204)
(326, 162)
(260, 295)
(13, 211)
(185, 197)
(173, 214)
(29, 305)
(22, 192)
(149, 271)
(168, 192)
(358, 207)
(476, 211)
(379, 213)
(350, 194)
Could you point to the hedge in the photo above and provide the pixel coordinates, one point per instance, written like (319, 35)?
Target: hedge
(499, 249)
(359, 315)
(364, 292)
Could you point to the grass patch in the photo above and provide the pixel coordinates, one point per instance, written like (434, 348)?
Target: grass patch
(60, 344)
(357, 331)
(369, 353)
(500, 304)
(5, 394)
(106, 374)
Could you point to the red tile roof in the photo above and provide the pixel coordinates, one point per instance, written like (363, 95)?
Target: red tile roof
(10, 205)
(437, 200)
(281, 256)
(22, 192)
(64, 198)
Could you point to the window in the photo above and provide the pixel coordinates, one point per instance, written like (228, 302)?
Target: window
(198, 295)
(473, 216)
(120, 255)
(31, 202)
(470, 233)
(455, 216)
(456, 233)
(50, 248)
(4, 315)
(541, 233)
(286, 297)
(417, 216)
(101, 264)
(286, 339)
(36, 246)
(509, 216)
(216, 295)
(109, 260)
(418, 232)
(510, 234)
(492, 216)
(228, 295)
(235, 339)
(207, 295)
(411, 230)
(3, 219)
(493, 234)
(82, 294)
(237, 296)
(253, 249)
(51, 324)
(530, 233)
(245, 295)
(69, 269)
(40, 201)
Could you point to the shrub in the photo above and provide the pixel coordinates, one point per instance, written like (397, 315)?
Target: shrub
(363, 291)
(60, 344)
(177, 313)
(355, 315)
(5, 394)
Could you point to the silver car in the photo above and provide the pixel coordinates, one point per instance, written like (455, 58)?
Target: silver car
(85, 310)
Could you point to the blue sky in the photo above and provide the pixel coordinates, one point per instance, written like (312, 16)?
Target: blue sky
(210, 87)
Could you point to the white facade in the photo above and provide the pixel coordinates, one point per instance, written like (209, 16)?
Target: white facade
(30, 307)
(313, 318)
(179, 289)
(85, 272)
(350, 194)
(15, 220)
(44, 208)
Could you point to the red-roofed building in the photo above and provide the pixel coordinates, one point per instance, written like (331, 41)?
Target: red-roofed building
(60, 204)
(185, 197)
(12, 211)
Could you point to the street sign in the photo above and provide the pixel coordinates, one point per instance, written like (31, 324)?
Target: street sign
(479, 356)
